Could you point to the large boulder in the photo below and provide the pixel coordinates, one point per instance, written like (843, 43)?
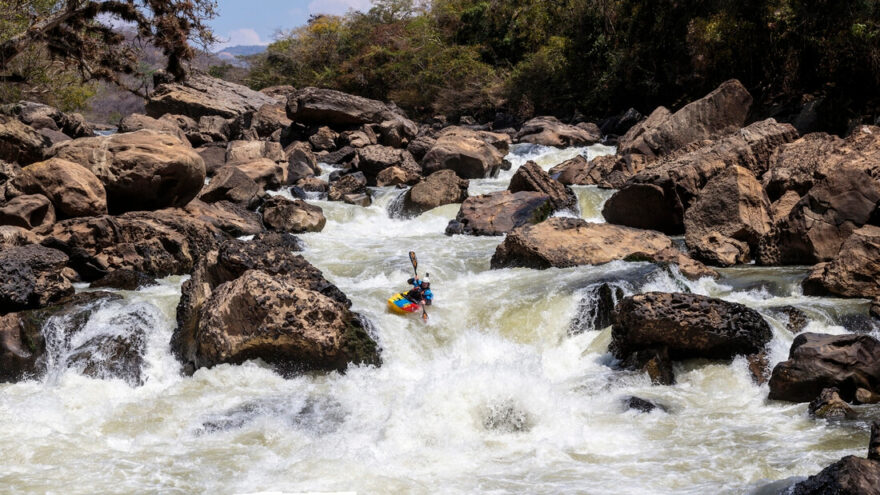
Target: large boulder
(849, 476)
(465, 153)
(297, 216)
(30, 277)
(232, 218)
(260, 123)
(500, 212)
(440, 188)
(248, 151)
(29, 211)
(335, 108)
(531, 177)
(269, 174)
(372, 160)
(722, 111)
(20, 143)
(142, 170)
(549, 131)
(301, 162)
(231, 184)
(855, 271)
(73, 189)
(43, 117)
(136, 122)
(733, 205)
(818, 361)
(798, 165)
(214, 156)
(260, 300)
(202, 95)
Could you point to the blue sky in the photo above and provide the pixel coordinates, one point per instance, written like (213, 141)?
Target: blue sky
(253, 22)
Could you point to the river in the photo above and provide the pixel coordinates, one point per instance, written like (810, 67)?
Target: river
(494, 394)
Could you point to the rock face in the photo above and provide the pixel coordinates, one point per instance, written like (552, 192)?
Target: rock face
(20, 143)
(73, 189)
(440, 188)
(687, 326)
(202, 95)
(464, 152)
(818, 361)
(855, 271)
(722, 111)
(297, 216)
(231, 184)
(29, 211)
(549, 131)
(500, 212)
(259, 300)
(143, 170)
(30, 277)
(733, 205)
(372, 160)
(531, 177)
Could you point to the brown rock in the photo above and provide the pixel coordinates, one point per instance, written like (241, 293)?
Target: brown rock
(301, 162)
(464, 152)
(828, 404)
(73, 189)
(780, 210)
(549, 131)
(798, 165)
(374, 159)
(231, 184)
(279, 93)
(440, 188)
(420, 146)
(232, 218)
(136, 122)
(531, 177)
(214, 128)
(500, 212)
(20, 143)
(348, 184)
(864, 396)
(202, 95)
(214, 156)
(270, 175)
(297, 216)
(313, 184)
(124, 280)
(850, 475)
(357, 199)
(260, 123)
(30, 277)
(248, 151)
(11, 236)
(43, 117)
(854, 272)
(397, 176)
(324, 139)
(358, 138)
(29, 211)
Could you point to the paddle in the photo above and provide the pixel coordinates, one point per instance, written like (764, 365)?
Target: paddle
(415, 264)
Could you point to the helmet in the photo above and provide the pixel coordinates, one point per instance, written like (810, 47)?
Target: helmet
(425, 284)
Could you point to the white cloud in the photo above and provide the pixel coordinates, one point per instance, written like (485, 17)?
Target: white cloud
(338, 7)
(244, 36)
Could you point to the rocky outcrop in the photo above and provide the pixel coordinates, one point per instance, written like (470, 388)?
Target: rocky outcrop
(136, 122)
(143, 170)
(12, 236)
(854, 272)
(531, 177)
(233, 218)
(464, 152)
(43, 117)
(819, 361)
(440, 188)
(20, 143)
(500, 212)
(283, 215)
(259, 300)
(231, 184)
(798, 165)
(732, 206)
(29, 211)
(549, 131)
(850, 475)
(686, 326)
(202, 95)
(73, 189)
(372, 160)
(30, 277)
(722, 111)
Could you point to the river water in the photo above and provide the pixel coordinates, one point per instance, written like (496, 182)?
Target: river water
(494, 394)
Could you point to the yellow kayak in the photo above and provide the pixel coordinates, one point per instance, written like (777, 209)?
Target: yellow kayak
(398, 303)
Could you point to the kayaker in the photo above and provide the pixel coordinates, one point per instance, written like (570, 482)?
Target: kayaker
(421, 291)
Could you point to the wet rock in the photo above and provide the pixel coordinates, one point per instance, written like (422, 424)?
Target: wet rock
(202, 95)
(20, 143)
(357, 199)
(73, 189)
(500, 212)
(297, 216)
(686, 326)
(759, 367)
(641, 405)
(596, 309)
(858, 323)
(818, 361)
(29, 212)
(653, 362)
(301, 162)
(549, 131)
(507, 417)
(314, 415)
(30, 277)
(313, 184)
(136, 122)
(233, 218)
(233, 185)
(124, 280)
(732, 205)
(829, 405)
(850, 475)
(372, 160)
(465, 152)
(531, 177)
(722, 111)
(142, 170)
(329, 107)
(864, 396)
(440, 188)
(348, 184)
(854, 272)
(796, 320)
(268, 174)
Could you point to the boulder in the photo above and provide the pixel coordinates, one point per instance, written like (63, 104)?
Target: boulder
(500, 212)
(29, 211)
(301, 162)
(358, 138)
(686, 326)
(849, 476)
(641, 405)
(549, 131)
(618, 125)
(464, 152)
(279, 93)
(20, 143)
(260, 123)
(531, 177)
(854, 272)
(30, 277)
(233, 218)
(142, 170)
(829, 405)
(324, 139)
(397, 176)
(247, 151)
(12, 236)
(596, 309)
(313, 184)
(136, 122)
(440, 188)
(214, 156)
(357, 199)
(73, 189)
(268, 174)
(213, 128)
(798, 165)
(231, 184)
(819, 361)
(420, 146)
(732, 205)
(202, 95)
(722, 111)
(297, 216)
(43, 117)
(341, 157)
(348, 184)
(374, 159)
(124, 280)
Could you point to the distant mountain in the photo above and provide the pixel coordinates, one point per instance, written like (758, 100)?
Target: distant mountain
(230, 53)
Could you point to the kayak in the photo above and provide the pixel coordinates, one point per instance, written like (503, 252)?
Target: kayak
(399, 304)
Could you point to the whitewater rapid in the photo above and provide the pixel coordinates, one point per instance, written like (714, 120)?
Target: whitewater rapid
(495, 394)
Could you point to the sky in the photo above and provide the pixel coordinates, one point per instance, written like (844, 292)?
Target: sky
(253, 22)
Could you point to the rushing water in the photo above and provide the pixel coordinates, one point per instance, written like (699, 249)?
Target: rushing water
(494, 394)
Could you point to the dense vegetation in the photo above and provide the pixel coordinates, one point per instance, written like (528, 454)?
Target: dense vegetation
(597, 57)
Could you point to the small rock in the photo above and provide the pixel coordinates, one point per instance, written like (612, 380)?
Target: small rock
(829, 405)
